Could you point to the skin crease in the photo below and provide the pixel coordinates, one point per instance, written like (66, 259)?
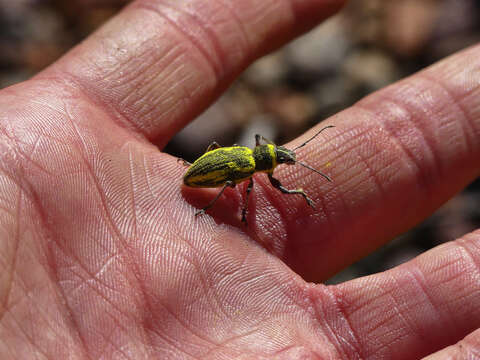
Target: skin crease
(102, 258)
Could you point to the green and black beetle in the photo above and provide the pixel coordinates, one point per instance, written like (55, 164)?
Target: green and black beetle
(228, 166)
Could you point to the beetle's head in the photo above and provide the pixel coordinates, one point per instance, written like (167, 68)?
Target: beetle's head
(285, 156)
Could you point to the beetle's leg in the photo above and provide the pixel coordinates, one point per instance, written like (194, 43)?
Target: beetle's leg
(276, 183)
(184, 162)
(210, 204)
(258, 137)
(245, 206)
(214, 145)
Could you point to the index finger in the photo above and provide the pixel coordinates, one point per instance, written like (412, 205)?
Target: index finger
(159, 63)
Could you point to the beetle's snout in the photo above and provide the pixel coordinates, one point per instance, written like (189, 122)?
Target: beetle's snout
(290, 158)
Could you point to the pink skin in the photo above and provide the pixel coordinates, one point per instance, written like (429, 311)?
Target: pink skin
(102, 257)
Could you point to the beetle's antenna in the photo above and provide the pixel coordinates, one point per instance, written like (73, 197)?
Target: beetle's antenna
(315, 170)
(313, 137)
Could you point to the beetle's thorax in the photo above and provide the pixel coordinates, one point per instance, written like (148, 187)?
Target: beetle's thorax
(265, 157)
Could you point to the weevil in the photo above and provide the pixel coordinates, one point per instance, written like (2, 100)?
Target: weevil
(228, 166)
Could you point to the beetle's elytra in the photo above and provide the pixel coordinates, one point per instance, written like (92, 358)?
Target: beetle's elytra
(228, 166)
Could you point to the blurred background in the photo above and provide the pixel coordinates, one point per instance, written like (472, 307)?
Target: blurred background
(371, 44)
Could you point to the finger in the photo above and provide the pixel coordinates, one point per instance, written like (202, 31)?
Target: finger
(411, 311)
(159, 63)
(394, 158)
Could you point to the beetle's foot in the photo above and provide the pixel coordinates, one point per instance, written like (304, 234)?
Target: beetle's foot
(244, 219)
(309, 201)
(200, 212)
(184, 162)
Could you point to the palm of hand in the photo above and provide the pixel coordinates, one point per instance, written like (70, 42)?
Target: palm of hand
(103, 258)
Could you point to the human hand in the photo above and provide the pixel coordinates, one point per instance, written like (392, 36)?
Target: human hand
(102, 256)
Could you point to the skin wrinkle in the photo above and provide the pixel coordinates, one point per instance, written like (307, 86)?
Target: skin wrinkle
(451, 326)
(30, 158)
(408, 157)
(232, 339)
(335, 296)
(451, 304)
(373, 175)
(89, 284)
(413, 116)
(210, 295)
(174, 52)
(74, 324)
(124, 330)
(244, 41)
(95, 289)
(14, 176)
(360, 180)
(253, 279)
(10, 213)
(94, 180)
(49, 326)
(148, 177)
(77, 85)
(214, 59)
(346, 149)
(467, 121)
(417, 275)
(108, 341)
(469, 256)
(78, 262)
(144, 298)
(169, 101)
(302, 351)
(270, 290)
(95, 276)
(146, 334)
(397, 307)
(39, 136)
(185, 326)
(10, 272)
(334, 338)
(30, 338)
(375, 339)
(39, 212)
(132, 194)
(53, 274)
(446, 121)
(18, 141)
(192, 260)
(358, 306)
(263, 38)
(149, 330)
(385, 348)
